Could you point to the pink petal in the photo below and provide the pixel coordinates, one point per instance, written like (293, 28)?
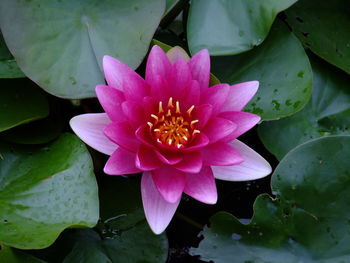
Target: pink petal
(150, 105)
(200, 140)
(122, 77)
(158, 211)
(191, 163)
(200, 68)
(216, 96)
(143, 135)
(133, 112)
(203, 114)
(146, 159)
(244, 120)
(181, 78)
(111, 99)
(218, 128)
(253, 167)
(157, 69)
(170, 183)
(201, 186)
(239, 95)
(168, 157)
(123, 135)
(89, 128)
(121, 162)
(176, 53)
(221, 154)
(190, 95)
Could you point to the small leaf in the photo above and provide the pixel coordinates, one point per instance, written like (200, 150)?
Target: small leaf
(44, 190)
(327, 113)
(229, 27)
(37, 132)
(323, 27)
(8, 65)
(282, 68)
(307, 222)
(21, 103)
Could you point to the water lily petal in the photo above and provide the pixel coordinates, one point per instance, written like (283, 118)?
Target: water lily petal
(169, 182)
(169, 157)
(190, 95)
(203, 114)
(253, 167)
(122, 77)
(123, 135)
(89, 128)
(218, 128)
(158, 71)
(215, 96)
(191, 163)
(133, 112)
(146, 159)
(200, 141)
(181, 78)
(176, 53)
(158, 211)
(111, 99)
(244, 121)
(239, 95)
(201, 186)
(221, 154)
(144, 136)
(121, 162)
(200, 68)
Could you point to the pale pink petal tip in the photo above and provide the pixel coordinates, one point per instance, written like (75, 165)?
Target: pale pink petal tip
(254, 166)
(89, 128)
(201, 186)
(176, 53)
(158, 212)
(121, 162)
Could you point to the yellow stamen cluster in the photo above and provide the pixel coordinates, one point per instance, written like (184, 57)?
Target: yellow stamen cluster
(171, 127)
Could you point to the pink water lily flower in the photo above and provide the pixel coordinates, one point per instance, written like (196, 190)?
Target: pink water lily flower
(172, 127)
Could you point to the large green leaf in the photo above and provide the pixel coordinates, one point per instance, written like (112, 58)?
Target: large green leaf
(126, 236)
(327, 113)
(8, 65)
(282, 68)
(21, 103)
(60, 44)
(308, 222)
(323, 26)
(10, 255)
(45, 190)
(229, 27)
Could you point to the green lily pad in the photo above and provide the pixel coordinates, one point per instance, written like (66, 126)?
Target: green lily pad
(60, 44)
(37, 132)
(327, 113)
(323, 26)
(308, 222)
(10, 255)
(126, 236)
(8, 65)
(282, 68)
(229, 27)
(21, 103)
(44, 190)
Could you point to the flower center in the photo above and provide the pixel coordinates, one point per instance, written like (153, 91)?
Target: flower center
(171, 127)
